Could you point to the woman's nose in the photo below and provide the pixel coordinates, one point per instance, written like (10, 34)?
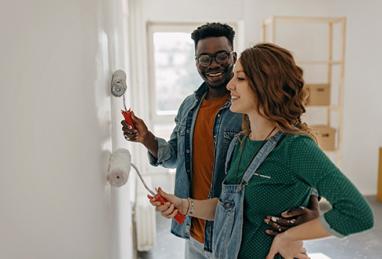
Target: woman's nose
(230, 85)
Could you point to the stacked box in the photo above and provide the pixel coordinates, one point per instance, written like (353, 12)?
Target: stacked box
(326, 136)
(318, 94)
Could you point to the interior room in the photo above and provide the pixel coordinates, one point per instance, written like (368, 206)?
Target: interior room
(68, 68)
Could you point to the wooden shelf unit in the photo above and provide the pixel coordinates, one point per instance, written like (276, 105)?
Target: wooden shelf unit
(271, 33)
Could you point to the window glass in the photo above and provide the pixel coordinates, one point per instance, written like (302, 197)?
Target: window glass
(175, 74)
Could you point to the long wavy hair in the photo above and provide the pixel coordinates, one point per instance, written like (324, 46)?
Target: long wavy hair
(278, 85)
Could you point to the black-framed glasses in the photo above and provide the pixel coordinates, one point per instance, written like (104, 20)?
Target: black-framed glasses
(221, 57)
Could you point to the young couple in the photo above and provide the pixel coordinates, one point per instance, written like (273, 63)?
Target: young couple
(242, 153)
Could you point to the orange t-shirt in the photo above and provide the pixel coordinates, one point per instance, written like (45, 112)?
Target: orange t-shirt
(203, 156)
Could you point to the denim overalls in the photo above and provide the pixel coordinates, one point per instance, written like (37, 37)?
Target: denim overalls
(228, 224)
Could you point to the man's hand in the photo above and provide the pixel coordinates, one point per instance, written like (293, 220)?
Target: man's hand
(137, 134)
(293, 217)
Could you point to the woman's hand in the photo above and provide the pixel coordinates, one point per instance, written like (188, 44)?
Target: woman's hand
(287, 248)
(170, 208)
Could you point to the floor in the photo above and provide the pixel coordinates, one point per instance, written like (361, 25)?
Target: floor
(359, 246)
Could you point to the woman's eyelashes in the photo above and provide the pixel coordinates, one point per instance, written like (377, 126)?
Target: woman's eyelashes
(239, 77)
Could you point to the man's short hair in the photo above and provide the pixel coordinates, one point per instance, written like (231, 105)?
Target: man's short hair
(214, 29)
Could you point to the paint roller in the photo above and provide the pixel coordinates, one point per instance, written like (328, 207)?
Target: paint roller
(120, 159)
(118, 89)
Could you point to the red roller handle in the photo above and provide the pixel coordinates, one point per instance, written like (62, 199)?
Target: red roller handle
(179, 217)
(127, 116)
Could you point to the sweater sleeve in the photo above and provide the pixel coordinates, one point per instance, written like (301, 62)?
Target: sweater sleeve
(350, 212)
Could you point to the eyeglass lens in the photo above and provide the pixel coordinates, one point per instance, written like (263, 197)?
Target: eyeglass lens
(220, 58)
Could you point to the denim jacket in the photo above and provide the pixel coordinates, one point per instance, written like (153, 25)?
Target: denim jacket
(177, 153)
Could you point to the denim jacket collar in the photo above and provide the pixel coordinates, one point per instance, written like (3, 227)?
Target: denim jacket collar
(201, 93)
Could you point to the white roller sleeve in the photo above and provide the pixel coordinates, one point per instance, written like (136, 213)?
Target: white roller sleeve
(119, 167)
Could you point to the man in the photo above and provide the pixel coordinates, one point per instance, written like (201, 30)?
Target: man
(198, 144)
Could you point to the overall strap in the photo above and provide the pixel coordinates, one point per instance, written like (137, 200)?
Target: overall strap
(230, 150)
(261, 156)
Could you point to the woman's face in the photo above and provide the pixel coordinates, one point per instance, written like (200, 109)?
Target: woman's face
(243, 99)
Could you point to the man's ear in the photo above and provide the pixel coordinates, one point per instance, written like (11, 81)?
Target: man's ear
(234, 54)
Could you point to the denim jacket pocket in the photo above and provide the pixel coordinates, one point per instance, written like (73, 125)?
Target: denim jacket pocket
(181, 132)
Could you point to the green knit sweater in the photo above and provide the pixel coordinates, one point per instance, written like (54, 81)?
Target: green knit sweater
(293, 170)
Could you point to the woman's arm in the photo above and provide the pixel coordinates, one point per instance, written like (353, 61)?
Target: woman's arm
(350, 212)
(203, 209)
(282, 242)
(310, 230)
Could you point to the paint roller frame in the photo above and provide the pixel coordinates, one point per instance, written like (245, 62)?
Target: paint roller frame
(118, 89)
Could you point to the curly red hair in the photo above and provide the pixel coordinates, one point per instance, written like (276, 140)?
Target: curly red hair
(278, 84)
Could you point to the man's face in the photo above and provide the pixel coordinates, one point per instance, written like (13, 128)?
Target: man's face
(216, 70)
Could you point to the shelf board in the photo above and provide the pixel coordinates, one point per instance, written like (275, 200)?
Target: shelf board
(334, 108)
(330, 107)
(305, 19)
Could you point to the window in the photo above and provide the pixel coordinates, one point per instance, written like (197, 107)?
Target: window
(173, 74)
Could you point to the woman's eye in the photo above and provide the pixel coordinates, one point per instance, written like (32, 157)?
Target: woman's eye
(240, 78)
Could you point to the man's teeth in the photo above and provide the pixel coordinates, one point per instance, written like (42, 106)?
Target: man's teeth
(214, 74)
(234, 97)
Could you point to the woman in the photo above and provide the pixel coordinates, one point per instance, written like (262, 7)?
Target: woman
(273, 165)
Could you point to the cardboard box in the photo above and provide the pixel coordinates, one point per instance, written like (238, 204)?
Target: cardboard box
(326, 136)
(318, 94)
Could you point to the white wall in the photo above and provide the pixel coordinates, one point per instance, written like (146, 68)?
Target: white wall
(56, 59)
(256, 11)
(363, 121)
(363, 91)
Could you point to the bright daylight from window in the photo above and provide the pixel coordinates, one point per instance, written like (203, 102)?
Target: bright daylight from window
(175, 72)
